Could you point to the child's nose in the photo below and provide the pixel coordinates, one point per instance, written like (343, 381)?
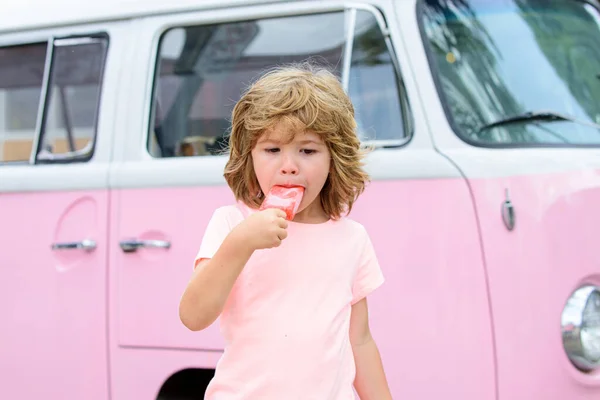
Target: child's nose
(289, 166)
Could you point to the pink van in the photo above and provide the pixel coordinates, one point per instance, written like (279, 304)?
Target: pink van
(484, 206)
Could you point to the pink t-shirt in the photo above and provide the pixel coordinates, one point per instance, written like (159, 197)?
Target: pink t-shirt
(286, 321)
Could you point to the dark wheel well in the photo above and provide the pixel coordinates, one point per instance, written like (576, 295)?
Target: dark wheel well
(187, 384)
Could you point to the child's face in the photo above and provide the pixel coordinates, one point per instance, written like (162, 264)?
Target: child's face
(304, 161)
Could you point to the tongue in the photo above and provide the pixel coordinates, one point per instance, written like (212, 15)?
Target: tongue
(285, 198)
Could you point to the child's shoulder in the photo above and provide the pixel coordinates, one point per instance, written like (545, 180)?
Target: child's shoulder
(353, 227)
(231, 214)
(351, 223)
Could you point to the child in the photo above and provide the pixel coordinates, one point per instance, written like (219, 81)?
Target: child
(291, 294)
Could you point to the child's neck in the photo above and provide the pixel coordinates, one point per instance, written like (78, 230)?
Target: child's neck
(313, 214)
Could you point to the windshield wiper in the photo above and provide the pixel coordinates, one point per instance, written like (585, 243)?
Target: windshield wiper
(536, 116)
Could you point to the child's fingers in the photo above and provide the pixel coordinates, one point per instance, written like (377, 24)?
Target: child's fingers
(282, 234)
(280, 213)
(282, 222)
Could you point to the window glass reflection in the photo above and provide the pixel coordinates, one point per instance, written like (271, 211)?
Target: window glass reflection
(503, 58)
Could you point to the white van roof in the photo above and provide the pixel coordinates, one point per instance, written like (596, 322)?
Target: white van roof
(33, 14)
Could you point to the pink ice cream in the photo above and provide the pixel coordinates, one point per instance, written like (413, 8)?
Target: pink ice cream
(285, 198)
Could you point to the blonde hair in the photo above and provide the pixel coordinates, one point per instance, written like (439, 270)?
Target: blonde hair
(313, 99)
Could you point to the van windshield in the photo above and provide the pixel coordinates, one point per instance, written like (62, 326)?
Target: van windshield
(495, 60)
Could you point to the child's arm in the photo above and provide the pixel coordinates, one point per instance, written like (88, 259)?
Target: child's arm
(370, 381)
(206, 293)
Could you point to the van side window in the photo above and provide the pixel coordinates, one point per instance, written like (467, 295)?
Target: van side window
(202, 70)
(21, 79)
(73, 100)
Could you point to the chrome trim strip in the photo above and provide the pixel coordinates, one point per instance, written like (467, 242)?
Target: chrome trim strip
(43, 99)
(348, 47)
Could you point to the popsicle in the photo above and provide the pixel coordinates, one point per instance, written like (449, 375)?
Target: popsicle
(285, 198)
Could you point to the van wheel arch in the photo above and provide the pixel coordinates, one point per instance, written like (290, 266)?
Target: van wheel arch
(186, 384)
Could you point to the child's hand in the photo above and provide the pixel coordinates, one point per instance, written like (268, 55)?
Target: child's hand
(265, 229)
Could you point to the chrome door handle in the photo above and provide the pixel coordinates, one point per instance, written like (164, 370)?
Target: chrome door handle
(131, 245)
(86, 244)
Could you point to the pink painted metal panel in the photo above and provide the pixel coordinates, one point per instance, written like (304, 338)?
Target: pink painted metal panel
(533, 270)
(431, 318)
(53, 339)
(149, 282)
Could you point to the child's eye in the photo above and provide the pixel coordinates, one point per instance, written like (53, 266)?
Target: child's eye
(308, 151)
(272, 150)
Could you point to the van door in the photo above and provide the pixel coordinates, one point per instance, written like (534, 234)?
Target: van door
(55, 142)
(520, 100)
(169, 179)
